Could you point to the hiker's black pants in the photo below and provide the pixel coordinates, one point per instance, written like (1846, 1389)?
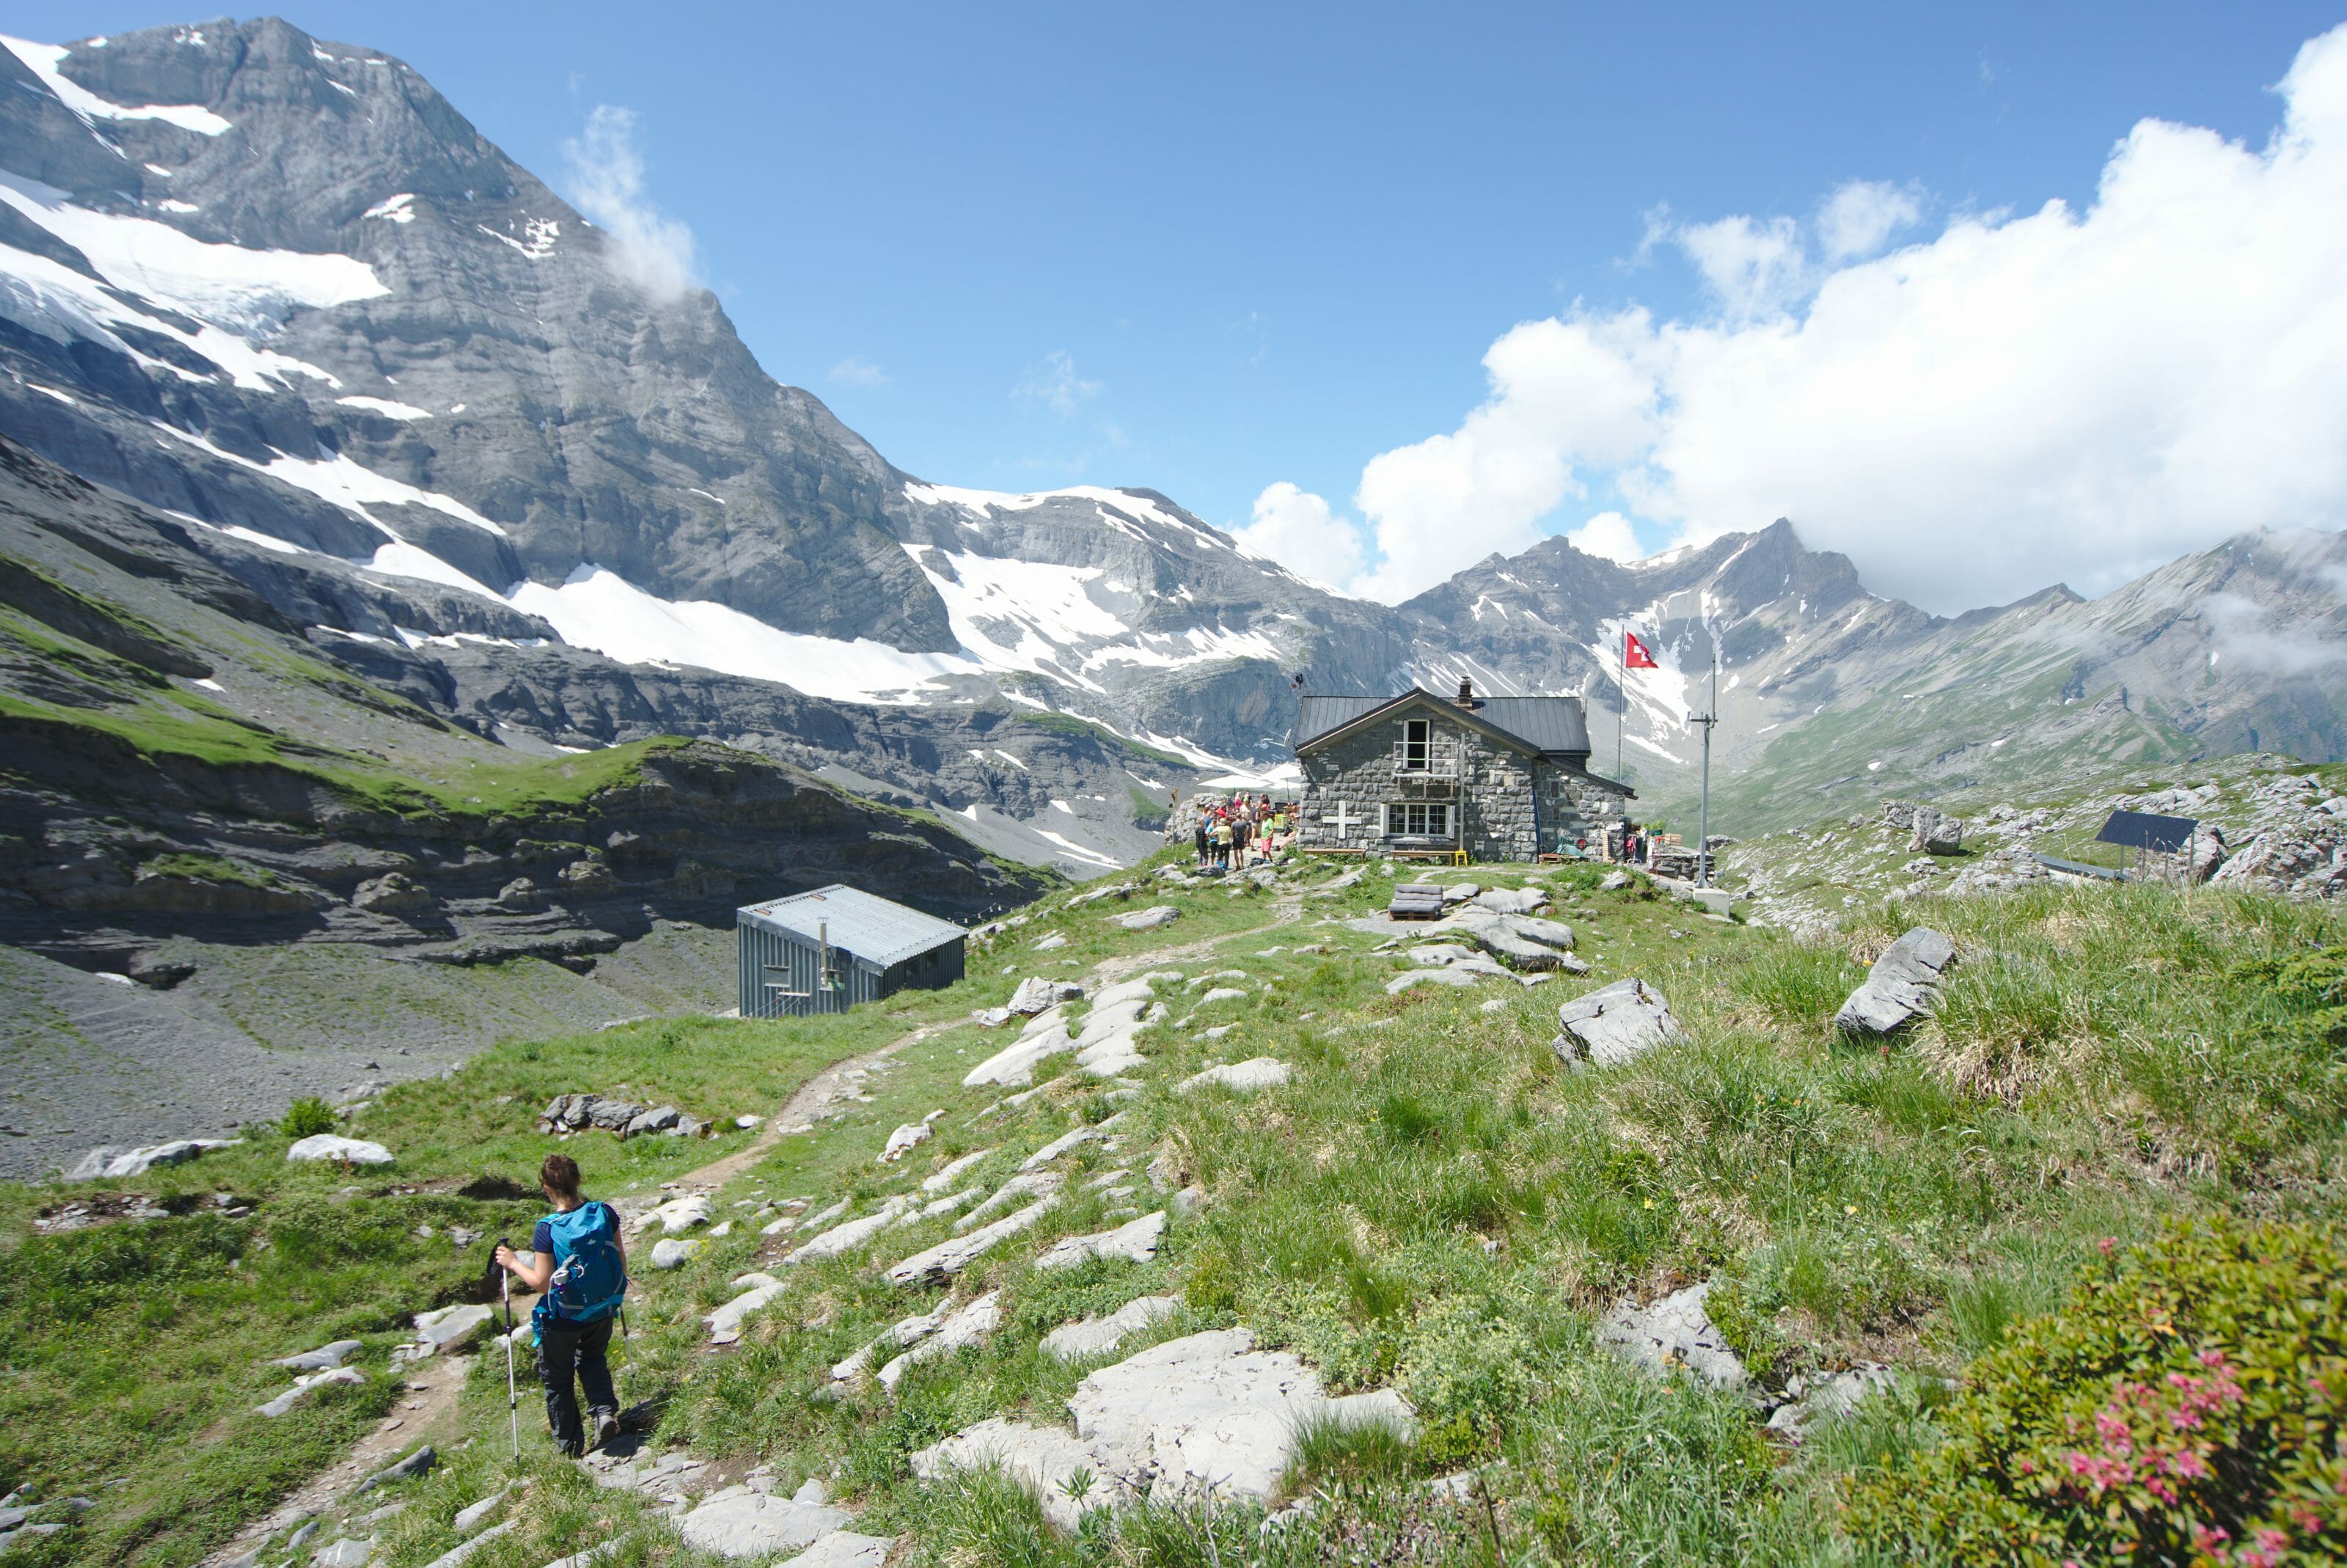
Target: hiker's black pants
(564, 1349)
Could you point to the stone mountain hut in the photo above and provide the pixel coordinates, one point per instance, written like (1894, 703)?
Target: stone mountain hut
(828, 950)
(1470, 778)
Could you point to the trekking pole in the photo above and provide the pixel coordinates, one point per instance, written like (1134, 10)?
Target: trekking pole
(513, 1399)
(627, 1357)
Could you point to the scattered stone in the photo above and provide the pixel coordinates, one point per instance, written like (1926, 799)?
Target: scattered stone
(450, 1327)
(1614, 1024)
(1025, 1185)
(1204, 1411)
(948, 1258)
(340, 1150)
(757, 1290)
(1901, 986)
(952, 1172)
(740, 1523)
(677, 1214)
(969, 1326)
(843, 1549)
(468, 1518)
(1135, 1240)
(1036, 993)
(1244, 1077)
(1052, 943)
(671, 1252)
(1810, 1400)
(1495, 1005)
(1449, 977)
(851, 1234)
(323, 1358)
(1510, 900)
(1092, 1336)
(904, 1140)
(1064, 1143)
(308, 1383)
(1014, 1063)
(1675, 1334)
(394, 893)
(1148, 919)
(407, 1468)
(350, 1552)
(1614, 882)
(1222, 994)
(458, 1555)
(1461, 892)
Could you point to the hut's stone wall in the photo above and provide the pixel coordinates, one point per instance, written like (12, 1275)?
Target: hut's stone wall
(1510, 806)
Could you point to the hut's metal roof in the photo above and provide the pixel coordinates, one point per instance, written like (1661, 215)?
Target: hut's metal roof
(1537, 724)
(875, 929)
(1550, 723)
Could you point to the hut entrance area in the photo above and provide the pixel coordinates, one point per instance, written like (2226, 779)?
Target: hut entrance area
(1420, 777)
(828, 950)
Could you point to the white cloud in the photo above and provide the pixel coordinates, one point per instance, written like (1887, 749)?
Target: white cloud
(1299, 529)
(1754, 268)
(2074, 396)
(1053, 381)
(853, 371)
(1860, 216)
(607, 168)
(1608, 535)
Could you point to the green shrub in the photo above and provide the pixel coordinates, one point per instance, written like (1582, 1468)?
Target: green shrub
(2188, 1404)
(1470, 1372)
(308, 1117)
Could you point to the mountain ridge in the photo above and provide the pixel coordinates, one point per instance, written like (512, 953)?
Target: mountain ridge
(410, 398)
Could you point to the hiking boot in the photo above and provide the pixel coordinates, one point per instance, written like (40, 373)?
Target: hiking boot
(606, 1427)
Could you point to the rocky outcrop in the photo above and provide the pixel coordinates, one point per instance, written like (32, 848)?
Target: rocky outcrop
(1902, 985)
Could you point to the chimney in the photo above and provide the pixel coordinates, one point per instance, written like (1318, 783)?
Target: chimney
(1466, 692)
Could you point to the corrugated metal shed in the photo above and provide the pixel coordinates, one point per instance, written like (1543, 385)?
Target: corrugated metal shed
(874, 928)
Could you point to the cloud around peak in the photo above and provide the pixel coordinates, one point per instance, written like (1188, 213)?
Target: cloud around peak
(2065, 395)
(607, 170)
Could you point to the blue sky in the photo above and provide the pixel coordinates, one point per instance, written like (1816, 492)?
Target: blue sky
(1211, 250)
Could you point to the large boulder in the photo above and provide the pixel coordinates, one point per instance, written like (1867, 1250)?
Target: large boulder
(1208, 1410)
(740, 1523)
(1148, 919)
(1935, 833)
(394, 893)
(340, 1150)
(1614, 1024)
(1901, 986)
(1035, 993)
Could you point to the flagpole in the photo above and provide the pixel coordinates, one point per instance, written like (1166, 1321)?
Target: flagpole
(1703, 812)
(1621, 704)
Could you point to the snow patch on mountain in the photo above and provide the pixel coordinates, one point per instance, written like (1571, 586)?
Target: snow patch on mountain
(228, 284)
(43, 59)
(601, 609)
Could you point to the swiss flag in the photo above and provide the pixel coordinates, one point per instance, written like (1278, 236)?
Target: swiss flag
(1635, 655)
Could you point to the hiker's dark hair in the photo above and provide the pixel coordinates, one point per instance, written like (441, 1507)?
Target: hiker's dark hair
(560, 1174)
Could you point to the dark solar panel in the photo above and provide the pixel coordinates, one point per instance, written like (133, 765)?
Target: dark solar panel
(2141, 830)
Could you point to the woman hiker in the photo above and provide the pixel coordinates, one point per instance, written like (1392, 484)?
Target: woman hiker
(577, 1259)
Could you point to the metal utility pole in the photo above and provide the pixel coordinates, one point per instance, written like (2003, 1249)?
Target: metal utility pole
(1703, 814)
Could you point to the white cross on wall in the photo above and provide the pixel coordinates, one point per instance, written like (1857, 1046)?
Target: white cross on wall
(1343, 817)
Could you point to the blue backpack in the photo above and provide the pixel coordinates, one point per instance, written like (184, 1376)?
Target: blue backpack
(589, 1278)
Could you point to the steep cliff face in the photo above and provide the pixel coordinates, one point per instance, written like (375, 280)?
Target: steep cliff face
(176, 761)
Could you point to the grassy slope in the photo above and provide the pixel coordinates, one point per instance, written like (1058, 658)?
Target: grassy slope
(1433, 1201)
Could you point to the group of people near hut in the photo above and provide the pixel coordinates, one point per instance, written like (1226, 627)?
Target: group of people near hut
(1244, 830)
